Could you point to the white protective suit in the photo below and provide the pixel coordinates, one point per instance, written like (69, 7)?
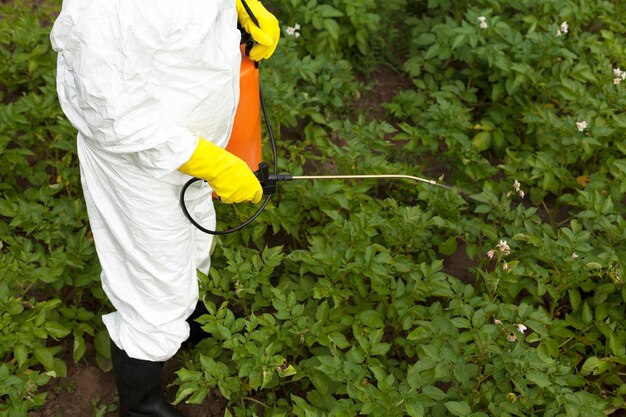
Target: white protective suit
(139, 80)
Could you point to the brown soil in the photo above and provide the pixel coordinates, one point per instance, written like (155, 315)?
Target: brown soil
(84, 389)
(387, 83)
(458, 264)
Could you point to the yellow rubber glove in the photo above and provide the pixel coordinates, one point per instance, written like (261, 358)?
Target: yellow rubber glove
(265, 35)
(228, 175)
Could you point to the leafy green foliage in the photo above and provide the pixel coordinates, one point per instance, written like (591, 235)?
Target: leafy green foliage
(342, 298)
(49, 271)
(355, 314)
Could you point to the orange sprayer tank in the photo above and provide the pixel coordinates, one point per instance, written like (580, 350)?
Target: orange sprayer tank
(245, 139)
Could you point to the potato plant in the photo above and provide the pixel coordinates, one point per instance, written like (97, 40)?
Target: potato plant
(49, 279)
(345, 298)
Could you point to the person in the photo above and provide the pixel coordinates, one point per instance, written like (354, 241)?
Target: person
(152, 88)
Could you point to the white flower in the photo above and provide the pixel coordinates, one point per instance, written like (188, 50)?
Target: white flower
(563, 29)
(521, 328)
(581, 126)
(574, 255)
(619, 76)
(497, 322)
(511, 337)
(491, 253)
(293, 31)
(517, 187)
(505, 267)
(483, 22)
(504, 247)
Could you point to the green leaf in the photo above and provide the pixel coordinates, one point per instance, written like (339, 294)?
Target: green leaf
(414, 379)
(434, 393)
(371, 318)
(432, 52)
(458, 408)
(325, 10)
(101, 343)
(20, 352)
(380, 349)
(419, 334)
(185, 390)
(425, 39)
(482, 141)
(79, 348)
(458, 40)
(574, 298)
(448, 248)
(284, 372)
(321, 314)
(186, 375)
(617, 348)
(478, 318)
(45, 357)
(414, 408)
(199, 395)
(538, 378)
(59, 367)
(56, 330)
(332, 27)
(497, 92)
(587, 315)
(339, 339)
(594, 365)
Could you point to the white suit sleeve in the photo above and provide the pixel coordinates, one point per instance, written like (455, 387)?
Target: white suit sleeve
(113, 96)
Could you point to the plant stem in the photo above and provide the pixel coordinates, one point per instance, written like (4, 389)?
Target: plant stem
(255, 401)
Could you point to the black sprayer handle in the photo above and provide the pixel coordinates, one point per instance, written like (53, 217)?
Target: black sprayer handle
(249, 11)
(268, 181)
(246, 38)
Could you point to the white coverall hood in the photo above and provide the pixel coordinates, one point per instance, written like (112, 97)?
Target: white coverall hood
(140, 81)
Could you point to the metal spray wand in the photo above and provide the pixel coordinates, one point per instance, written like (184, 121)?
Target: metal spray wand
(268, 181)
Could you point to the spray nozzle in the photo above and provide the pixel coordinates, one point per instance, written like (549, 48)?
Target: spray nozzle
(268, 181)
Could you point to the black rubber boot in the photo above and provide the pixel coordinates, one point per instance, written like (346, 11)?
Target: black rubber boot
(196, 334)
(139, 386)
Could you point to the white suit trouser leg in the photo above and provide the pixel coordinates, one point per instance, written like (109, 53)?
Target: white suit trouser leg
(148, 251)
